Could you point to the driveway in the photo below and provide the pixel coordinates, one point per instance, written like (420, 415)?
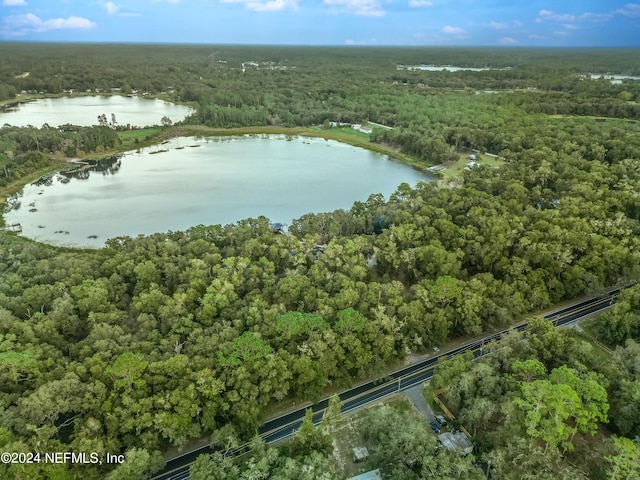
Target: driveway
(415, 395)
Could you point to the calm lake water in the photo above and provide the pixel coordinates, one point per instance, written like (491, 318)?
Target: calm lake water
(437, 68)
(137, 111)
(615, 79)
(208, 181)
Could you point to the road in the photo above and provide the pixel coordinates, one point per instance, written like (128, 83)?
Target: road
(283, 426)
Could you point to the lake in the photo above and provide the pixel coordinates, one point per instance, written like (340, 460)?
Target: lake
(448, 68)
(216, 180)
(84, 111)
(614, 79)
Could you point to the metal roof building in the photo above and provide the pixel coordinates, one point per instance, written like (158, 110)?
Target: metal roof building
(370, 475)
(456, 442)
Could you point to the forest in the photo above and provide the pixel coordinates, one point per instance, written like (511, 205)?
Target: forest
(151, 342)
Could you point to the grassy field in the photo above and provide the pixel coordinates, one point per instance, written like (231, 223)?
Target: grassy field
(602, 356)
(25, 97)
(349, 131)
(135, 137)
(455, 169)
(587, 326)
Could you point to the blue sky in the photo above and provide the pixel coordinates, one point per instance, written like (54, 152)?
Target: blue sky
(326, 22)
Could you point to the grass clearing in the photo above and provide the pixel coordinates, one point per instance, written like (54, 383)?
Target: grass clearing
(590, 332)
(455, 169)
(350, 131)
(601, 356)
(588, 325)
(133, 137)
(23, 98)
(349, 434)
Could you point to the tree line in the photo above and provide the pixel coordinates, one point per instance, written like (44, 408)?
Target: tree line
(24, 150)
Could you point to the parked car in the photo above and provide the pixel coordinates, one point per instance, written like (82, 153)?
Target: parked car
(441, 420)
(435, 426)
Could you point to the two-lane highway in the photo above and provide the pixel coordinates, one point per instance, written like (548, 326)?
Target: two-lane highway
(285, 425)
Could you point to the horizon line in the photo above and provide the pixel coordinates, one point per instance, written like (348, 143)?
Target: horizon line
(337, 45)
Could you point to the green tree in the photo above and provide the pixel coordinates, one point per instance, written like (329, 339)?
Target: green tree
(247, 348)
(449, 369)
(137, 464)
(528, 370)
(622, 321)
(524, 459)
(216, 467)
(310, 438)
(332, 414)
(127, 371)
(625, 462)
(626, 407)
(593, 397)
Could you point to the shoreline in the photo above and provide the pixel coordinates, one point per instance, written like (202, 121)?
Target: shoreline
(166, 133)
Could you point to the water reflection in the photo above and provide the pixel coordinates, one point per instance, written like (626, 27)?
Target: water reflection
(86, 110)
(175, 185)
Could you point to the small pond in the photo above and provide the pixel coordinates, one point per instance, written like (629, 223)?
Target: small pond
(84, 110)
(189, 181)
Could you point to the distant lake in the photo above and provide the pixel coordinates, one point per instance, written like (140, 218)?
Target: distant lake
(84, 110)
(615, 79)
(214, 180)
(439, 68)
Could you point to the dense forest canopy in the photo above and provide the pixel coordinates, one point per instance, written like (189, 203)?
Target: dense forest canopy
(154, 341)
(294, 86)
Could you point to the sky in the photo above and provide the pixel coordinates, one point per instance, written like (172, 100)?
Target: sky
(570, 23)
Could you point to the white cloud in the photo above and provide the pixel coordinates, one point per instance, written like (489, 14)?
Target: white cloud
(114, 9)
(14, 3)
(595, 17)
(360, 42)
(498, 25)
(569, 26)
(549, 15)
(535, 36)
(508, 41)
(420, 3)
(269, 6)
(504, 25)
(452, 30)
(630, 10)
(167, 1)
(111, 8)
(371, 8)
(29, 23)
(273, 5)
